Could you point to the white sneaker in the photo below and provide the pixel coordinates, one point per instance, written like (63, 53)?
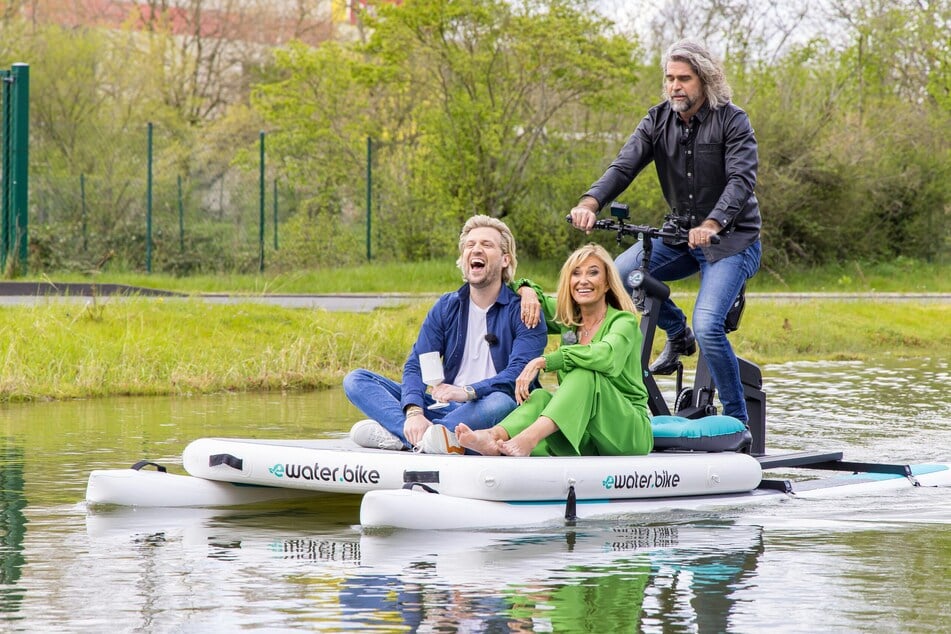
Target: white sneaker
(369, 433)
(438, 439)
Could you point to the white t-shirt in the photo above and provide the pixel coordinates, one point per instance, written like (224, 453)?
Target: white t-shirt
(477, 362)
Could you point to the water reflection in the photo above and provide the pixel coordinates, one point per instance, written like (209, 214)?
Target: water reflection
(12, 526)
(603, 576)
(875, 559)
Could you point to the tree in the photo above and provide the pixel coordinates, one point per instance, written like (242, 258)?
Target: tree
(464, 101)
(898, 53)
(490, 80)
(89, 112)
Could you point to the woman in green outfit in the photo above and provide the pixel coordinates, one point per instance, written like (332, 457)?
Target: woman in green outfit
(600, 407)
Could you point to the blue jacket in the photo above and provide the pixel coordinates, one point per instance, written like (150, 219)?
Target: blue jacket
(444, 330)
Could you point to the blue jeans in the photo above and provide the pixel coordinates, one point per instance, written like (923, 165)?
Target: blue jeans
(379, 398)
(720, 283)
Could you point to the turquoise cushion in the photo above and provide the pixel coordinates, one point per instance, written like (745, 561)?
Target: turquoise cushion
(711, 433)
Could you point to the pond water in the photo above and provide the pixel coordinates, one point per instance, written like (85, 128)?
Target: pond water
(876, 562)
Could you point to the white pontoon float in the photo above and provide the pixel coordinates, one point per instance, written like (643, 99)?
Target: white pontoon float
(421, 491)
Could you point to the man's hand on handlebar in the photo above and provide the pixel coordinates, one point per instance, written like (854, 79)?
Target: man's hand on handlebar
(583, 216)
(673, 233)
(704, 235)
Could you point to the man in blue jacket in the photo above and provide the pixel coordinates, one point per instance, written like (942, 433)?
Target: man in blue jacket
(705, 153)
(479, 332)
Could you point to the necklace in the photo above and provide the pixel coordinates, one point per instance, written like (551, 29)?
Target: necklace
(587, 330)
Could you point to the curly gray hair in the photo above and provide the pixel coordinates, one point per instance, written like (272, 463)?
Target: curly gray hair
(707, 67)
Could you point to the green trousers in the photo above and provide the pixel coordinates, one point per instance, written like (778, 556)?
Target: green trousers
(593, 418)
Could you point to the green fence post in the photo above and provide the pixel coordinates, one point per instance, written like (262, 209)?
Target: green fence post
(148, 207)
(14, 240)
(82, 199)
(261, 186)
(5, 86)
(369, 194)
(181, 217)
(21, 158)
(6, 82)
(275, 214)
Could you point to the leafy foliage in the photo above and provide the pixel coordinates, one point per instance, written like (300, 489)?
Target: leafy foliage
(453, 107)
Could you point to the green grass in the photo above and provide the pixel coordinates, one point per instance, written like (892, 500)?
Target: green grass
(141, 346)
(901, 275)
(416, 277)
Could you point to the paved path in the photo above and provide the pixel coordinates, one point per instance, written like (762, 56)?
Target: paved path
(28, 293)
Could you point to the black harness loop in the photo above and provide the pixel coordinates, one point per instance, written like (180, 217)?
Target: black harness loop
(226, 459)
(145, 463)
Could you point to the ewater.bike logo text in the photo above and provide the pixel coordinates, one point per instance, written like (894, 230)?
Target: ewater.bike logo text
(358, 474)
(655, 480)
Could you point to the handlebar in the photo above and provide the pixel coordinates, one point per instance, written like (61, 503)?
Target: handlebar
(628, 229)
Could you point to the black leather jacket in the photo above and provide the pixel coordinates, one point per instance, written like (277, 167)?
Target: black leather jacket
(706, 170)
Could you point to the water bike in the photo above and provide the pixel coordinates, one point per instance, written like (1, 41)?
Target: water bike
(701, 460)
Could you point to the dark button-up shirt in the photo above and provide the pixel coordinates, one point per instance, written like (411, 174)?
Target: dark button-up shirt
(706, 170)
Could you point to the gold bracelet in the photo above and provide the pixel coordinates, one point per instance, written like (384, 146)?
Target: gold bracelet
(413, 410)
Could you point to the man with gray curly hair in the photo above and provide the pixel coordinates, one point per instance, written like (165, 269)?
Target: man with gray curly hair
(703, 148)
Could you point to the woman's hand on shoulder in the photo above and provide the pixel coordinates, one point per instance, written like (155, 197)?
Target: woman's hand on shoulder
(531, 307)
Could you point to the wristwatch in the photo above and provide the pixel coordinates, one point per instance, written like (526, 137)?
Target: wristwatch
(470, 393)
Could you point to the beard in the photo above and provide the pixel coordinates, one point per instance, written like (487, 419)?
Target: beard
(484, 277)
(680, 106)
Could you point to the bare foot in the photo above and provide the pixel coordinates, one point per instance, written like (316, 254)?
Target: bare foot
(526, 440)
(517, 446)
(482, 441)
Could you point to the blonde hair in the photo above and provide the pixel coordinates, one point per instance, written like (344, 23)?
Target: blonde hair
(566, 311)
(707, 67)
(507, 243)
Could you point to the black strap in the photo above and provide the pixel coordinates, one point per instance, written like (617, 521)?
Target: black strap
(424, 487)
(145, 463)
(226, 459)
(421, 476)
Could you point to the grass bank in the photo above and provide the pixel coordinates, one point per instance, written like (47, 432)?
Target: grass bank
(899, 275)
(142, 347)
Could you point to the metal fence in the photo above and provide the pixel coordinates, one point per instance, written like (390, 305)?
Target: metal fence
(152, 207)
(14, 166)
